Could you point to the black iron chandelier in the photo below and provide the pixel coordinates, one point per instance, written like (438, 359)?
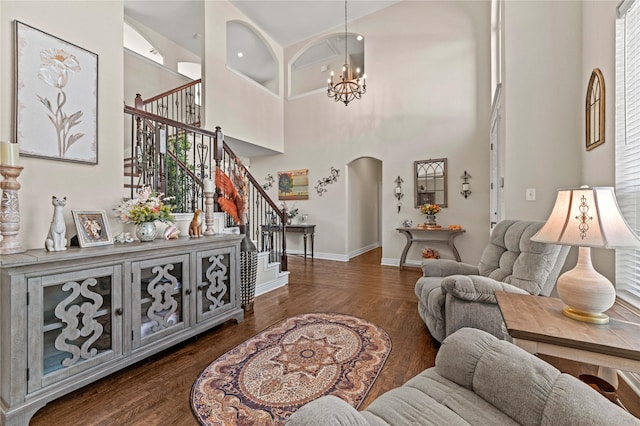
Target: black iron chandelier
(347, 88)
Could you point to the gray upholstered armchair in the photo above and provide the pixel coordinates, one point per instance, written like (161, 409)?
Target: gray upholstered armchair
(454, 295)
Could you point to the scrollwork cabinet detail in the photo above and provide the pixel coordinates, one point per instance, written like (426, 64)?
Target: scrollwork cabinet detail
(70, 318)
(72, 323)
(158, 295)
(215, 276)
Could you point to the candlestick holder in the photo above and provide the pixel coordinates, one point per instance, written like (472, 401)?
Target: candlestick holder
(10, 210)
(208, 212)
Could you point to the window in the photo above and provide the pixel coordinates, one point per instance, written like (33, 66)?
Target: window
(628, 143)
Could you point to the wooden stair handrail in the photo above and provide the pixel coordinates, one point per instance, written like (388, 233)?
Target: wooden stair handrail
(168, 92)
(149, 116)
(153, 117)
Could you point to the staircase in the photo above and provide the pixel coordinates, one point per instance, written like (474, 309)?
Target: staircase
(171, 153)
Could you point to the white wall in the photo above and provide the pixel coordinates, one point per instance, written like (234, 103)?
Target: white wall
(97, 27)
(428, 97)
(171, 52)
(543, 100)
(244, 109)
(148, 78)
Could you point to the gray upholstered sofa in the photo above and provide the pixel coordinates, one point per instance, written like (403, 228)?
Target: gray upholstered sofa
(452, 295)
(477, 380)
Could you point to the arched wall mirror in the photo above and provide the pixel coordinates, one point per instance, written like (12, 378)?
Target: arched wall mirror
(430, 182)
(311, 70)
(249, 54)
(595, 110)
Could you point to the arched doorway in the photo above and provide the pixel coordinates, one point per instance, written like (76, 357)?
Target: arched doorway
(364, 210)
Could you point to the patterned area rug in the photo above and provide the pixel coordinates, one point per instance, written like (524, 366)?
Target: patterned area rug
(268, 377)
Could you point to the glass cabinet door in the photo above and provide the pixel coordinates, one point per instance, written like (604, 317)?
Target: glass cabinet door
(216, 277)
(75, 322)
(159, 308)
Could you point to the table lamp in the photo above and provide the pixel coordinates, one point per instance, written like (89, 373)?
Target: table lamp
(586, 217)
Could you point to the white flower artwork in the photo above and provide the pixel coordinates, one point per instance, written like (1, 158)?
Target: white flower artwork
(57, 88)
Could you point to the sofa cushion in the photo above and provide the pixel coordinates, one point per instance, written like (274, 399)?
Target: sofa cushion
(512, 257)
(522, 386)
(431, 302)
(477, 380)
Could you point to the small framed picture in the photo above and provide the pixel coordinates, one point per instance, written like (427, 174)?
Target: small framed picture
(93, 227)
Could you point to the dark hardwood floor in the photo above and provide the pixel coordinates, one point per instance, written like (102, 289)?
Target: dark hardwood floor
(157, 390)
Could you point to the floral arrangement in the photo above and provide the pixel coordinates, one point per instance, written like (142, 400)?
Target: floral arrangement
(148, 207)
(290, 213)
(430, 209)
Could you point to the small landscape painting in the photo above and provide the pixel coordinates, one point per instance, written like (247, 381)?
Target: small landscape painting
(293, 185)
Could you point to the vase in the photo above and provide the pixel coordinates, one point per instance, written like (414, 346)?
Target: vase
(248, 270)
(146, 231)
(431, 220)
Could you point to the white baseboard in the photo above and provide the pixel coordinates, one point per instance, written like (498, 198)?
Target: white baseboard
(323, 256)
(389, 261)
(363, 250)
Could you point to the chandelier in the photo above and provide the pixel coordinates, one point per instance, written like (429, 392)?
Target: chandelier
(347, 88)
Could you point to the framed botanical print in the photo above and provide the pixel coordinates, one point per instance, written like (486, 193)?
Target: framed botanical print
(56, 97)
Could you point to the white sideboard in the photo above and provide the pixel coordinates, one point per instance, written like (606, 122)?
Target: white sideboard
(69, 318)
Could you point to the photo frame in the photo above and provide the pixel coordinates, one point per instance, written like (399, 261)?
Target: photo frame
(293, 185)
(56, 97)
(92, 227)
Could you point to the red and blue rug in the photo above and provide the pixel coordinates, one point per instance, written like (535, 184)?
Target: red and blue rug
(268, 377)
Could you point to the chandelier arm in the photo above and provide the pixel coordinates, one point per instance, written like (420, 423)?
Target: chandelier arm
(346, 89)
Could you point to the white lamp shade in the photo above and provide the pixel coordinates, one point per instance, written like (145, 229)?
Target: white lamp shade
(587, 217)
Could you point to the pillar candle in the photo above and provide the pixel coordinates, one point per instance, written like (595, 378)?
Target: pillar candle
(9, 153)
(208, 186)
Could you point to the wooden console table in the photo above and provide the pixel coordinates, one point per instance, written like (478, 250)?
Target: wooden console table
(536, 324)
(304, 228)
(428, 235)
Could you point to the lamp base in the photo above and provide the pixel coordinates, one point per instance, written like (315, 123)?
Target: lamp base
(585, 317)
(585, 292)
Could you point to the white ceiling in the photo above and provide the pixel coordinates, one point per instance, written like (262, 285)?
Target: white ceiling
(287, 22)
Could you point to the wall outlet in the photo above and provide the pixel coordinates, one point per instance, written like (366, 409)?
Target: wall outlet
(531, 194)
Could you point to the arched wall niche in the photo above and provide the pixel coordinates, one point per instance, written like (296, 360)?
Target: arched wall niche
(310, 68)
(251, 56)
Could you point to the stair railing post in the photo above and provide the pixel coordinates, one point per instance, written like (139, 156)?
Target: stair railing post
(218, 153)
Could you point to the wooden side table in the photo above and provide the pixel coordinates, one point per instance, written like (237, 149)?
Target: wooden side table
(428, 235)
(537, 325)
(306, 230)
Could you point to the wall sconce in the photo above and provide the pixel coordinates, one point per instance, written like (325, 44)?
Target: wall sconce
(322, 183)
(465, 184)
(398, 191)
(269, 183)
